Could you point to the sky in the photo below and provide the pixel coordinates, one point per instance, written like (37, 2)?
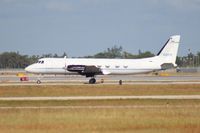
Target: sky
(86, 27)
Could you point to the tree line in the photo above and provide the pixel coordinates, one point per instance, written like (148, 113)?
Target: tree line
(117, 52)
(190, 60)
(16, 60)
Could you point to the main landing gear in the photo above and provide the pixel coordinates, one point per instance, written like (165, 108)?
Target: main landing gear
(92, 81)
(38, 81)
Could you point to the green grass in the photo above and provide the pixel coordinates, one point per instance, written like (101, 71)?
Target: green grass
(100, 90)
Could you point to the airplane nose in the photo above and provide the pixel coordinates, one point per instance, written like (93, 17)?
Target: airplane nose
(27, 69)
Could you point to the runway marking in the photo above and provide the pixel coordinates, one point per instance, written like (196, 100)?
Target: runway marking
(102, 107)
(170, 97)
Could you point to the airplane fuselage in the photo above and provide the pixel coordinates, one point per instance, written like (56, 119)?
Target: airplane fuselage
(107, 66)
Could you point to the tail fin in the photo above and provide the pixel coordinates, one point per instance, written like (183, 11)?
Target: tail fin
(169, 51)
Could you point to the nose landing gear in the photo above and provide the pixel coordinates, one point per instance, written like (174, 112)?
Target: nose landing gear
(38, 79)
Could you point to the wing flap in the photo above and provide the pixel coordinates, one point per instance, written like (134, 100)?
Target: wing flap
(105, 72)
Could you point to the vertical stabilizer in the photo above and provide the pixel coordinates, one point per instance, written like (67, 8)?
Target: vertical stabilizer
(169, 51)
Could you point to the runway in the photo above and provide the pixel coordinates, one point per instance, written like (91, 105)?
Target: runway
(108, 79)
(71, 98)
(13, 78)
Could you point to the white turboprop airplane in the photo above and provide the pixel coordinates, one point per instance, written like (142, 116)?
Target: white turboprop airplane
(88, 67)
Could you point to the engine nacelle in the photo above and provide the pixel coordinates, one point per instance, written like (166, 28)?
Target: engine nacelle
(76, 68)
(89, 71)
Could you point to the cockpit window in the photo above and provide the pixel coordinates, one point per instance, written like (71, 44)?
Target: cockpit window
(40, 62)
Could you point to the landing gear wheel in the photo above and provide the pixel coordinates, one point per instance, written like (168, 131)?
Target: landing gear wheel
(92, 81)
(38, 82)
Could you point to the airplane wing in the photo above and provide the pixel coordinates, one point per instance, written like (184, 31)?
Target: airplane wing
(88, 71)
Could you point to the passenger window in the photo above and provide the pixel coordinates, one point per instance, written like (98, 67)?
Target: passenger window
(42, 62)
(107, 66)
(98, 66)
(125, 66)
(116, 66)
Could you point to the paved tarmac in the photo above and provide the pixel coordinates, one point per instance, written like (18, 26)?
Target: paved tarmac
(108, 79)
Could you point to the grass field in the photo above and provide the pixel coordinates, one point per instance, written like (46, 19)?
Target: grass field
(100, 90)
(91, 103)
(97, 116)
(96, 120)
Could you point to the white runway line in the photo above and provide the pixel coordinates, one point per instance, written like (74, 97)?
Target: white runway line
(170, 97)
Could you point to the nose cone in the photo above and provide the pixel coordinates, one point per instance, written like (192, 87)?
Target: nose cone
(28, 69)
(35, 68)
